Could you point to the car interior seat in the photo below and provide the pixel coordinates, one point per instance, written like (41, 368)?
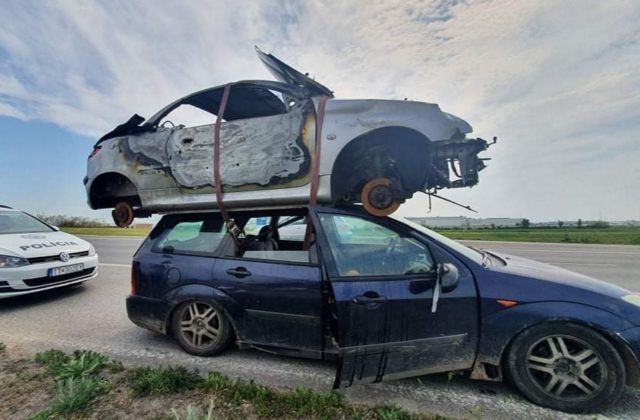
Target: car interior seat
(264, 241)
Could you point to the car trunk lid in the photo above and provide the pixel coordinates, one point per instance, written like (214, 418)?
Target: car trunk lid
(288, 74)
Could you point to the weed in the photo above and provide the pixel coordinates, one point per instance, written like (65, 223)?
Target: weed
(390, 412)
(216, 381)
(74, 394)
(307, 403)
(52, 360)
(83, 364)
(115, 366)
(147, 381)
(3, 347)
(192, 413)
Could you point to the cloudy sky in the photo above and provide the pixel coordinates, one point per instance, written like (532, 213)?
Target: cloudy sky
(557, 81)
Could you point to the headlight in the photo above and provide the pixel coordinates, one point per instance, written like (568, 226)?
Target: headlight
(7, 261)
(92, 251)
(632, 299)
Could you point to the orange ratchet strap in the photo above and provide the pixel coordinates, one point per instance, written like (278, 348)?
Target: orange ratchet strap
(315, 169)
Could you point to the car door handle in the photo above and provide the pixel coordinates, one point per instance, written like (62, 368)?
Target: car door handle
(369, 298)
(239, 272)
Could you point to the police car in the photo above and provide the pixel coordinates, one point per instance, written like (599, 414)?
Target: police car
(35, 256)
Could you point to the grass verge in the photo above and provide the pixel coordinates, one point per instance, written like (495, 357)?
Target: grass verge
(88, 385)
(611, 235)
(107, 231)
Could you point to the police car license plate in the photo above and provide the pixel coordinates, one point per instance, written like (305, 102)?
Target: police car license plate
(67, 269)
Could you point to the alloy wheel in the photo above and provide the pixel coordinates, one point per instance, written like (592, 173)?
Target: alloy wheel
(200, 324)
(566, 367)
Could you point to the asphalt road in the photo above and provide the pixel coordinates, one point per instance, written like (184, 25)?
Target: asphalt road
(93, 317)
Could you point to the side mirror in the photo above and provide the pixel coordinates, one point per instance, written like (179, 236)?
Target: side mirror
(449, 277)
(56, 228)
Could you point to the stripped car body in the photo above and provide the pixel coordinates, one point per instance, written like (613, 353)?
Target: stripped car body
(268, 142)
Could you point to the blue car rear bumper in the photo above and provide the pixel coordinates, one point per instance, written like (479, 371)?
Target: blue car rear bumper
(148, 313)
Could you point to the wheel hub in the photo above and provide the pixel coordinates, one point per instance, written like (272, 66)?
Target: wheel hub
(380, 197)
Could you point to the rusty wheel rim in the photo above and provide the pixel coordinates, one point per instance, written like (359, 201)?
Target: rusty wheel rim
(123, 214)
(377, 197)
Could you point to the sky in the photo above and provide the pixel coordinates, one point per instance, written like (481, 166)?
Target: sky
(558, 82)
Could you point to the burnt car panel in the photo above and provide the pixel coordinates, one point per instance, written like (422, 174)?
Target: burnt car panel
(268, 133)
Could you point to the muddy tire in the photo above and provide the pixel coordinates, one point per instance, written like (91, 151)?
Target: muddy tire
(201, 328)
(566, 367)
(378, 198)
(122, 214)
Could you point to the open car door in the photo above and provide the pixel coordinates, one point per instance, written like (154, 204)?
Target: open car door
(383, 283)
(288, 74)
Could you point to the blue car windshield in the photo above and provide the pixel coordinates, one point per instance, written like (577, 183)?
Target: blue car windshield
(470, 253)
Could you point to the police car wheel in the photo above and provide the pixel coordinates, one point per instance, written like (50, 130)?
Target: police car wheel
(122, 214)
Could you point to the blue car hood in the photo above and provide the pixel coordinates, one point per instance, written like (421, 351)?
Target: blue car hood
(546, 273)
(528, 281)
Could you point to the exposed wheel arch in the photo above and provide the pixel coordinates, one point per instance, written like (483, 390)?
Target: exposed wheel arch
(405, 146)
(110, 188)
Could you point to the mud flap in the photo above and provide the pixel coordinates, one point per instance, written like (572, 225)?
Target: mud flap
(356, 367)
(364, 344)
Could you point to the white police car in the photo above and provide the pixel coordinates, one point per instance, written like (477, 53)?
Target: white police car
(35, 256)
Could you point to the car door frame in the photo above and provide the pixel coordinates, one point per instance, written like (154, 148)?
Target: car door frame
(251, 322)
(470, 340)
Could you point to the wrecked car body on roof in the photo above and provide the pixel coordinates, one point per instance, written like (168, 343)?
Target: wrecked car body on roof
(267, 143)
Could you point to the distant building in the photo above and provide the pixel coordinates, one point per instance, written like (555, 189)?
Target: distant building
(461, 222)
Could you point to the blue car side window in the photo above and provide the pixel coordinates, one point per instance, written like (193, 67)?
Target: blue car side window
(360, 247)
(197, 237)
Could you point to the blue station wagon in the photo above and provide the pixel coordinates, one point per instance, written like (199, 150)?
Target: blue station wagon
(385, 298)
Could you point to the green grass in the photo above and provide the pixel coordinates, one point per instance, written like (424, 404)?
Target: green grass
(77, 380)
(148, 381)
(192, 413)
(107, 231)
(611, 235)
(298, 403)
(84, 376)
(73, 395)
(83, 364)
(53, 360)
(3, 347)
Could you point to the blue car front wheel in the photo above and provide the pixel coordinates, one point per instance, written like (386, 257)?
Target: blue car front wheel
(566, 366)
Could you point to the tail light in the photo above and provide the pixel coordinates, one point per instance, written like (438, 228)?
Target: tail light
(134, 278)
(95, 151)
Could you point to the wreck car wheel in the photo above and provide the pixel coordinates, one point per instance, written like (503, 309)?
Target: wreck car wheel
(377, 197)
(123, 214)
(567, 367)
(201, 328)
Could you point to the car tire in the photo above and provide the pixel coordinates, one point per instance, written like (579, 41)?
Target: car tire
(201, 328)
(565, 366)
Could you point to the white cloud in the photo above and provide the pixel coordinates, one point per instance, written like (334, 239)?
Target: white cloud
(556, 81)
